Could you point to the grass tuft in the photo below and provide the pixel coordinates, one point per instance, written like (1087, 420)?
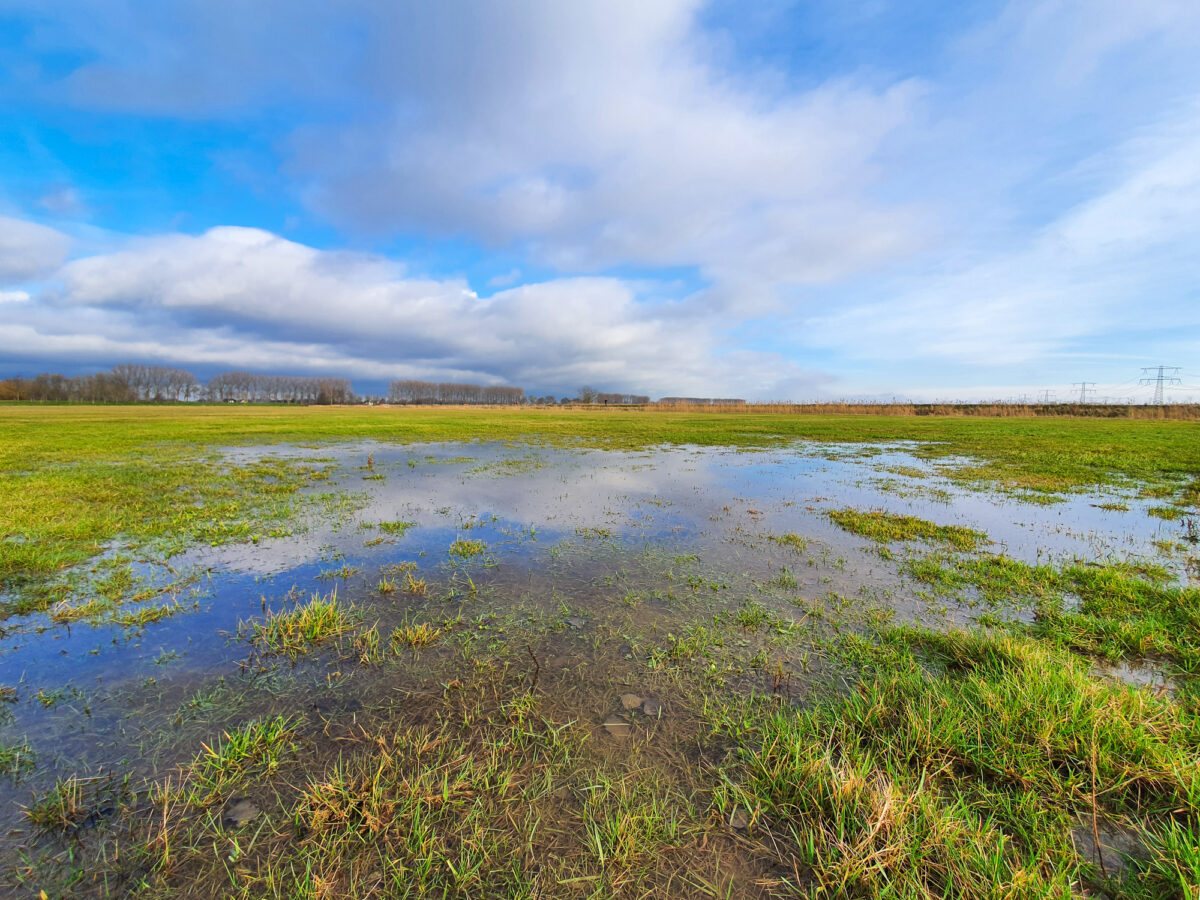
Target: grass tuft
(794, 541)
(294, 631)
(397, 528)
(415, 636)
(16, 759)
(466, 549)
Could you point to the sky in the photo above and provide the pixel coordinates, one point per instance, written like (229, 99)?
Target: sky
(777, 201)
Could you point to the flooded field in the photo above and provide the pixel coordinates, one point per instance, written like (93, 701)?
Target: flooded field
(504, 668)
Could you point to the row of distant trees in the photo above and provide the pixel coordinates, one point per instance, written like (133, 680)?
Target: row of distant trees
(133, 383)
(103, 387)
(252, 386)
(129, 383)
(591, 395)
(413, 391)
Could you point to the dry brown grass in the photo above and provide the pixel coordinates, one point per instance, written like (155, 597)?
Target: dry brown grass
(1174, 411)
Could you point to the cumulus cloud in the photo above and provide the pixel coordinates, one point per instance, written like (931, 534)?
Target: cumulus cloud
(249, 298)
(29, 250)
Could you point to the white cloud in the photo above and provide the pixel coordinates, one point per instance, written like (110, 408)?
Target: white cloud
(63, 201)
(242, 297)
(599, 134)
(28, 250)
(13, 296)
(510, 277)
(1107, 269)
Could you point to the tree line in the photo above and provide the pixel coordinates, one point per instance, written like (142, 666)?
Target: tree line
(137, 383)
(132, 383)
(429, 392)
(251, 386)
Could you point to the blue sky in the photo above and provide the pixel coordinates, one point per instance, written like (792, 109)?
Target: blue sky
(777, 200)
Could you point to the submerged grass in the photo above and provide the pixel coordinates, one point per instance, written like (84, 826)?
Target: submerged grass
(16, 759)
(62, 808)
(794, 541)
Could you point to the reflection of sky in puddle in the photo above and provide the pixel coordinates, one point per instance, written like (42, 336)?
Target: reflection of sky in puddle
(522, 502)
(690, 493)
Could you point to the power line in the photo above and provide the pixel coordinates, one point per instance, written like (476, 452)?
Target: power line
(1085, 388)
(1160, 378)
(1047, 396)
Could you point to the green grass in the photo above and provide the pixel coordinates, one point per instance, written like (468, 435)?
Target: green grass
(885, 527)
(63, 808)
(965, 764)
(258, 747)
(397, 528)
(466, 549)
(1123, 614)
(960, 764)
(296, 630)
(794, 541)
(415, 636)
(16, 759)
(482, 793)
(1121, 611)
(146, 615)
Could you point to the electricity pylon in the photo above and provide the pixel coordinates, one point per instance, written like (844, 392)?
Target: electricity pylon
(1160, 378)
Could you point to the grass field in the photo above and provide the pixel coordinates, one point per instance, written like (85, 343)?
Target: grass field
(981, 760)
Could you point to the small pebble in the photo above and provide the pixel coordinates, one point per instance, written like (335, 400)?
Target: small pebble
(239, 812)
(617, 727)
(652, 708)
(576, 622)
(739, 819)
(630, 701)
